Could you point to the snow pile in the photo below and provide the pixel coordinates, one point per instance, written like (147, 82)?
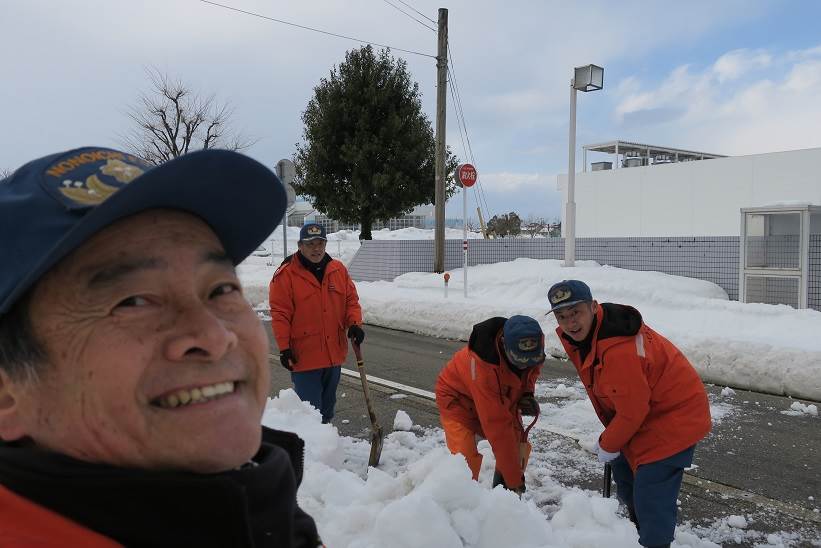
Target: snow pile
(402, 421)
(771, 348)
(421, 495)
(798, 408)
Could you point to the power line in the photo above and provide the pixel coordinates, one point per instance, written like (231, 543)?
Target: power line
(460, 119)
(419, 12)
(409, 15)
(478, 188)
(361, 41)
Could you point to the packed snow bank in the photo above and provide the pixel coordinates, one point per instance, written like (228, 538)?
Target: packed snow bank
(771, 348)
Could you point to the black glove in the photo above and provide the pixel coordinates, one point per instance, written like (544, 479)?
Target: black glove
(286, 358)
(355, 332)
(528, 405)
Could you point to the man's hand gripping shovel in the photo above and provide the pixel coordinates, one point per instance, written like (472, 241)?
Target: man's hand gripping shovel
(376, 430)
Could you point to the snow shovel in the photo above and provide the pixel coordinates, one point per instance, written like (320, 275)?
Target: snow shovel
(524, 446)
(376, 430)
(607, 480)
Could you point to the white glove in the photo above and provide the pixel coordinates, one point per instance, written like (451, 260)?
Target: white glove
(606, 456)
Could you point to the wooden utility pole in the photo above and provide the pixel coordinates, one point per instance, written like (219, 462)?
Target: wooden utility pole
(441, 104)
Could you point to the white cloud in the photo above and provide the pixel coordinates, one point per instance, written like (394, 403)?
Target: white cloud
(746, 102)
(736, 63)
(507, 181)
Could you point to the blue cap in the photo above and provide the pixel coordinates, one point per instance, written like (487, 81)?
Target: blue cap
(524, 342)
(567, 293)
(312, 231)
(52, 205)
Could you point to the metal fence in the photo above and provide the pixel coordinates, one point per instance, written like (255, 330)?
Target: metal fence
(712, 258)
(814, 278)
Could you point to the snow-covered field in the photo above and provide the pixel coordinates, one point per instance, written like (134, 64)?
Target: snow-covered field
(423, 496)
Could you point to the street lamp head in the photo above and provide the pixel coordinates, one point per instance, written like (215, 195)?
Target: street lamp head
(588, 78)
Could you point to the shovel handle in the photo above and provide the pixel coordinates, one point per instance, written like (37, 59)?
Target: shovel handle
(357, 350)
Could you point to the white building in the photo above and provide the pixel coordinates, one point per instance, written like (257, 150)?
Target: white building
(686, 198)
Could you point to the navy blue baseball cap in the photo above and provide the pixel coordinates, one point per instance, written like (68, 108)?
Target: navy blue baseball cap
(524, 342)
(52, 205)
(312, 231)
(567, 293)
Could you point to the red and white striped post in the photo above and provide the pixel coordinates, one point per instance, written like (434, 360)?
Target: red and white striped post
(466, 176)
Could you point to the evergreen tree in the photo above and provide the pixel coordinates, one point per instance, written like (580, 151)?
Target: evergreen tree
(506, 224)
(368, 150)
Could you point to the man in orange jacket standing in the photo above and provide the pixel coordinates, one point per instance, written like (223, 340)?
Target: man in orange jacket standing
(314, 310)
(646, 393)
(485, 388)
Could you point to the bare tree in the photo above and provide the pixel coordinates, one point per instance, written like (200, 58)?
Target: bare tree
(5, 172)
(533, 226)
(172, 120)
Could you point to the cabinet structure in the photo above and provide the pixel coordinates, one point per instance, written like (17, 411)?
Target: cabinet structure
(774, 253)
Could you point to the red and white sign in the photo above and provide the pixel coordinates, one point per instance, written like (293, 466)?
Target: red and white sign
(466, 175)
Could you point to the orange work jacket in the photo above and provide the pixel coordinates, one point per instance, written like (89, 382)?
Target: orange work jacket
(644, 390)
(25, 524)
(310, 318)
(478, 389)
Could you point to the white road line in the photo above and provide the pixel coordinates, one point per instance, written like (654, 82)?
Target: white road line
(390, 384)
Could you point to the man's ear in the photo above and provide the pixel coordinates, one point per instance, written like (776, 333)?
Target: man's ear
(11, 425)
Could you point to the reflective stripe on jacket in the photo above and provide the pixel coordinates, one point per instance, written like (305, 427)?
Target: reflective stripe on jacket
(478, 389)
(312, 319)
(25, 524)
(644, 390)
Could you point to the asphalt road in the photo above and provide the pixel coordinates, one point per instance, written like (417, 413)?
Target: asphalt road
(758, 462)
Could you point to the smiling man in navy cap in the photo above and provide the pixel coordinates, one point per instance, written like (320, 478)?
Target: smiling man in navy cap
(133, 372)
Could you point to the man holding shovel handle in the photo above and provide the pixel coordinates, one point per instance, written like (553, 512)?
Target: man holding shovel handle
(314, 311)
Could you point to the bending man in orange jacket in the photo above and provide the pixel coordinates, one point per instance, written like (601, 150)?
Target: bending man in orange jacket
(313, 303)
(646, 393)
(485, 388)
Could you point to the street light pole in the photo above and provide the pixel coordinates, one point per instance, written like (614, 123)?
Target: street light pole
(570, 207)
(585, 78)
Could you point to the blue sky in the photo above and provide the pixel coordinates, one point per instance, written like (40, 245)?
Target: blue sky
(732, 77)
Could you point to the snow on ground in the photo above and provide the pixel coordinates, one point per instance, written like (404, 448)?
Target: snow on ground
(256, 270)
(421, 495)
(771, 348)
